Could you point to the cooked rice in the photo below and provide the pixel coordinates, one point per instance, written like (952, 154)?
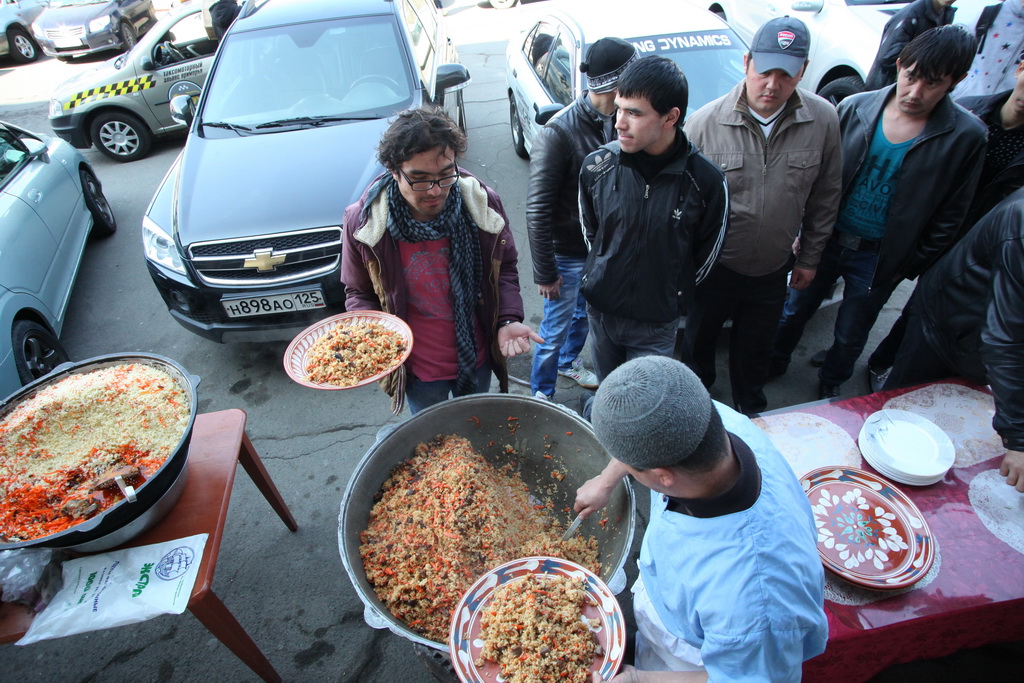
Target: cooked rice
(57, 446)
(444, 518)
(534, 629)
(350, 352)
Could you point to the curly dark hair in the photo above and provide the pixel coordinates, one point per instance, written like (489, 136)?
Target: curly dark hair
(419, 130)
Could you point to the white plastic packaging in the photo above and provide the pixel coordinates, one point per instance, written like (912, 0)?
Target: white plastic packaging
(121, 587)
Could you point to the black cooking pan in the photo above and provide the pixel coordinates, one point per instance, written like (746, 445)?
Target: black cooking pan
(154, 497)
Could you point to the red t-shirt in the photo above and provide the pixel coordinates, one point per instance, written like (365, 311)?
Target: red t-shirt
(430, 314)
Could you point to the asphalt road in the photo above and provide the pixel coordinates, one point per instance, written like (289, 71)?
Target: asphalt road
(288, 590)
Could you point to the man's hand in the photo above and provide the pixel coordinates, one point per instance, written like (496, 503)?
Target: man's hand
(1012, 468)
(552, 291)
(595, 493)
(801, 277)
(514, 339)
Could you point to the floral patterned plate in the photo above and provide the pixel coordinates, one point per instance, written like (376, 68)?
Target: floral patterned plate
(465, 644)
(295, 356)
(869, 533)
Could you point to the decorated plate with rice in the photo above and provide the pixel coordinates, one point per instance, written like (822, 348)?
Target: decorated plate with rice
(537, 619)
(348, 350)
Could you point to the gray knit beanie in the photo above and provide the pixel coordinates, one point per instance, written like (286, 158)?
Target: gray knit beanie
(654, 412)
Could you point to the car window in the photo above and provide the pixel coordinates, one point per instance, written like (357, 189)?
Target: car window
(12, 153)
(421, 35)
(538, 47)
(188, 39)
(557, 77)
(712, 60)
(345, 68)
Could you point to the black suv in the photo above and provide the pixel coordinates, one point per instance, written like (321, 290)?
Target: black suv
(243, 237)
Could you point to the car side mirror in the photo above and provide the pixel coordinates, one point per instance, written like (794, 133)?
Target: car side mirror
(450, 76)
(545, 113)
(183, 109)
(36, 149)
(147, 64)
(808, 5)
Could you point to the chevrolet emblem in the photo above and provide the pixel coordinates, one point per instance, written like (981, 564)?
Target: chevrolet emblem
(264, 260)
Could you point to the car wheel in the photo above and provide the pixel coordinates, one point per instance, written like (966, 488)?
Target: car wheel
(103, 223)
(518, 136)
(36, 350)
(838, 90)
(120, 136)
(504, 4)
(23, 47)
(128, 36)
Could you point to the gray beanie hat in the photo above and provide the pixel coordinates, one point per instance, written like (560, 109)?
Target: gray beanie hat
(654, 412)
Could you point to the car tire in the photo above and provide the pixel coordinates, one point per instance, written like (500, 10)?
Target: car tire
(120, 136)
(103, 222)
(518, 136)
(838, 90)
(128, 36)
(36, 350)
(503, 4)
(22, 46)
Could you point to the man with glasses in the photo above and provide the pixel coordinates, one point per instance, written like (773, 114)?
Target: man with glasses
(432, 244)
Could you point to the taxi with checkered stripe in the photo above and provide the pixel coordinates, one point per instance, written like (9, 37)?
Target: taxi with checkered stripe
(120, 106)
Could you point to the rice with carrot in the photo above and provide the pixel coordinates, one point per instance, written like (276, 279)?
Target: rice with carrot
(350, 352)
(535, 630)
(61, 448)
(444, 518)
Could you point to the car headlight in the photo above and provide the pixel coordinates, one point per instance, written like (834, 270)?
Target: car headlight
(159, 247)
(97, 25)
(56, 109)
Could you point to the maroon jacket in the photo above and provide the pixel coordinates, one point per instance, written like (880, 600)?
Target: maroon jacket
(371, 268)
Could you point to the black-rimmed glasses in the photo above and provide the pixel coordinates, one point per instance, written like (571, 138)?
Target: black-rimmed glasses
(424, 185)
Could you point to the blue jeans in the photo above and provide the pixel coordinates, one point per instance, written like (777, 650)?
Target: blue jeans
(857, 312)
(564, 328)
(420, 394)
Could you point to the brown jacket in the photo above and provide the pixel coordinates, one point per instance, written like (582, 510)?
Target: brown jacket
(787, 185)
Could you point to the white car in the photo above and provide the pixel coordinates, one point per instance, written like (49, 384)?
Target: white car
(844, 34)
(543, 62)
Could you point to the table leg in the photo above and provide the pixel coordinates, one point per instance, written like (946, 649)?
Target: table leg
(221, 623)
(258, 472)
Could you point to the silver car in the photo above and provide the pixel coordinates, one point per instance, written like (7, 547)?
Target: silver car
(50, 201)
(542, 63)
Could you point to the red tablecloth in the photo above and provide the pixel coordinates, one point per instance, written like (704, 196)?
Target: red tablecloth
(977, 596)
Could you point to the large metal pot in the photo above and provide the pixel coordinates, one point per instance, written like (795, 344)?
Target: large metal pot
(154, 498)
(486, 420)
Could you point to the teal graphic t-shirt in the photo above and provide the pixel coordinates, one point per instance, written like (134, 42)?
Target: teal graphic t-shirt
(866, 205)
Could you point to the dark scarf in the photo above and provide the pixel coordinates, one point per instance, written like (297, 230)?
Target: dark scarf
(465, 269)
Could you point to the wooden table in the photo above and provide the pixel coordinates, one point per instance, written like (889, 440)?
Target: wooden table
(219, 443)
(974, 597)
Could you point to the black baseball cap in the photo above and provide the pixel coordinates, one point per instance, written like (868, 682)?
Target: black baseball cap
(781, 43)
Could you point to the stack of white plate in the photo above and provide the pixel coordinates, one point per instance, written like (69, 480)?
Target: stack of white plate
(906, 447)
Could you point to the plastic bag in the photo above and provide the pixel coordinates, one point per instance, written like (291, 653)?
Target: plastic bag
(121, 587)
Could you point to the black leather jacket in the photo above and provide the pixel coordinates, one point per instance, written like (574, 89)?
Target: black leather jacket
(552, 200)
(910, 22)
(936, 183)
(650, 244)
(972, 305)
(1009, 178)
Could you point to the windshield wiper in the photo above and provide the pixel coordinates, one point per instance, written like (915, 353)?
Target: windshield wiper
(313, 121)
(230, 126)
